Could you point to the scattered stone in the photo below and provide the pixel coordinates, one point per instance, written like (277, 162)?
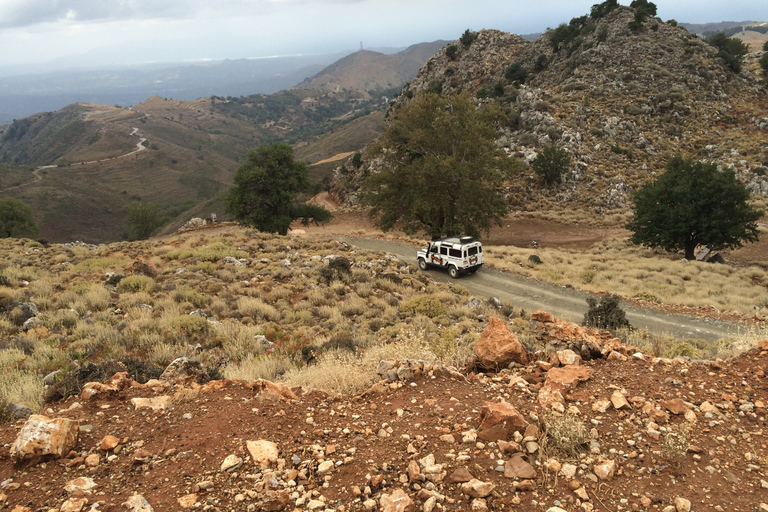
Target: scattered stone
(187, 501)
(231, 463)
(18, 411)
(605, 470)
(398, 501)
(682, 505)
(92, 460)
(324, 468)
(479, 505)
(560, 380)
(80, 486)
(460, 475)
(157, 403)
(618, 400)
(518, 469)
(568, 470)
(73, 505)
(138, 503)
(568, 357)
(42, 437)
(498, 420)
(109, 443)
(675, 406)
(477, 488)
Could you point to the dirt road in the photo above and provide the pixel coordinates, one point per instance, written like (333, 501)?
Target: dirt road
(568, 303)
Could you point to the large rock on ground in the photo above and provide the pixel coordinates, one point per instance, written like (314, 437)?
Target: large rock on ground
(264, 453)
(269, 390)
(560, 380)
(498, 346)
(44, 437)
(498, 420)
(519, 469)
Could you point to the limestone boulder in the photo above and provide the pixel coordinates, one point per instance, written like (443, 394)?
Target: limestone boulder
(498, 347)
(44, 437)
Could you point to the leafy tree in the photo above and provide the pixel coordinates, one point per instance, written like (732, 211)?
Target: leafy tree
(16, 219)
(643, 10)
(265, 190)
(442, 172)
(551, 164)
(600, 10)
(144, 220)
(730, 49)
(693, 204)
(765, 46)
(450, 51)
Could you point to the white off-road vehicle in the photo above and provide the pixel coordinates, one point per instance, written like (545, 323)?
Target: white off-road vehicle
(460, 255)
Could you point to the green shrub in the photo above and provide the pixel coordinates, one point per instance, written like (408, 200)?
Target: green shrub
(337, 269)
(683, 349)
(427, 305)
(606, 314)
(516, 73)
(136, 283)
(730, 49)
(467, 38)
(450, 51)
(601, 10)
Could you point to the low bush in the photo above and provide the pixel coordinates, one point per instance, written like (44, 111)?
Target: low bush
(606, 314)
(136, 283)
(427, 305)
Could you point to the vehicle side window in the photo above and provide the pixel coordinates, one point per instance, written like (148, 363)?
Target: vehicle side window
(455, 253)
(444, 251)
(480, 249)
(433, 248)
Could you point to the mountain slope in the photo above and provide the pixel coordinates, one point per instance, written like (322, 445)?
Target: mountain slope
(621, 102)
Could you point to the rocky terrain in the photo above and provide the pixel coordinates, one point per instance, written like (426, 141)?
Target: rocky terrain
(587, 424)
(621, 102)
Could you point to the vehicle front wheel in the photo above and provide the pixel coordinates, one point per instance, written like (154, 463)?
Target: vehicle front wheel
(423, 264)
(453, 272)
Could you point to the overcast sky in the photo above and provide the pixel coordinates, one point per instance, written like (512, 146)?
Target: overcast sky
(76, 32)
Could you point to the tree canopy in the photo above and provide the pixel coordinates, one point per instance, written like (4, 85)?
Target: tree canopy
(730, 49)
(265, 190)
(442, 172)
(551, 164)
(693, 204)
(144, 220)
(16, 219)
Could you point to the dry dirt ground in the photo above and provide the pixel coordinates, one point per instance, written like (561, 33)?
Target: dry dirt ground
(690, 430)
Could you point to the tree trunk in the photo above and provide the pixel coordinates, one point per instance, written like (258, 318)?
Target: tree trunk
(690, 251)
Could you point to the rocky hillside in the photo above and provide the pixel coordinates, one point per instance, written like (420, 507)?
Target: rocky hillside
(372, 71)
(617, 431)
(621, 101)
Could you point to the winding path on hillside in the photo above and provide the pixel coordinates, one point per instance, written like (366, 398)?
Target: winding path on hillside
(38, 177)
(530, 294)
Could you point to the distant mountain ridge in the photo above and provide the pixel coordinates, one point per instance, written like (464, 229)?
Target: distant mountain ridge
(372, 71)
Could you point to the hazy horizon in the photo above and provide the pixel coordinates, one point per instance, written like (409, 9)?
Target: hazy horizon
(62, 34)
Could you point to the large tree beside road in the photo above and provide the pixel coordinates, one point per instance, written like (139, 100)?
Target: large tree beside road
(693, 204)
(441, 172)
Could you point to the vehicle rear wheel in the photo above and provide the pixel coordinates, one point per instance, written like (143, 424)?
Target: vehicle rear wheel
(423, 264)
(453, 272)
